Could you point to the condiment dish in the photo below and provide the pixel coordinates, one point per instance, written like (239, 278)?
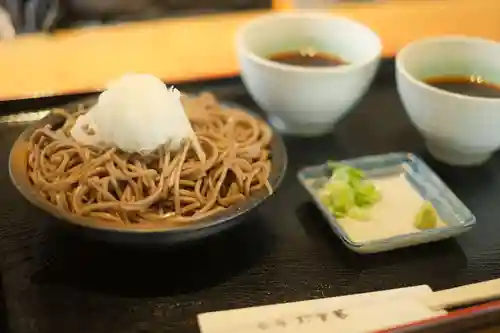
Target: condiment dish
(423, 180)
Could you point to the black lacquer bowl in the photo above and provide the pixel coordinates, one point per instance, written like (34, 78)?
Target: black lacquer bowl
(138, 234)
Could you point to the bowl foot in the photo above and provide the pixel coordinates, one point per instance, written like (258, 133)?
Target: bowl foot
(454, 157)
(304, 130)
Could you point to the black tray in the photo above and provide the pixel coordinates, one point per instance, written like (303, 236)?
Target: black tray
(59, 283)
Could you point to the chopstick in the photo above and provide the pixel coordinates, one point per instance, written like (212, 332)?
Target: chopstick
(475, 317)
(470, 294)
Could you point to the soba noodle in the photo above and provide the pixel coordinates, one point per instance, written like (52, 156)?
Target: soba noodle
(163, 187)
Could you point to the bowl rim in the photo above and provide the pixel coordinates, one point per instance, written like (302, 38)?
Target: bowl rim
(312, 14)
(17, 171)
(401, 69)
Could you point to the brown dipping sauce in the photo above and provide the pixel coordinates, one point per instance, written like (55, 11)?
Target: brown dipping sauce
(465, 85)
(308, 58)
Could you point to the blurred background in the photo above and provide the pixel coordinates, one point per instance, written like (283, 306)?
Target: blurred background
(36, 15)
(169, 36)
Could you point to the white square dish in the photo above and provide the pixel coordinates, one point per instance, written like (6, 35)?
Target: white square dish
(423, 180)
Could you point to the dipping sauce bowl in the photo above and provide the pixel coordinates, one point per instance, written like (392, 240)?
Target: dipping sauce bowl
(459, 129)
(302, 100)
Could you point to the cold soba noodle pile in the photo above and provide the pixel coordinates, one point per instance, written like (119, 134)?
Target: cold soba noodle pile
(139, 155)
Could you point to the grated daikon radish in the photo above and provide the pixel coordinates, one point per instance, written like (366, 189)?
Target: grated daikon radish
(137, 114)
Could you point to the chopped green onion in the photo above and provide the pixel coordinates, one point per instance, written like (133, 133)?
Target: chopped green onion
(348, 193)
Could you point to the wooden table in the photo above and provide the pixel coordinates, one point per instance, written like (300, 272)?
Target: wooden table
(195, 48)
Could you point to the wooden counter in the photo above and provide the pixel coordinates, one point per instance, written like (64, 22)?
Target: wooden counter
(202, 47)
